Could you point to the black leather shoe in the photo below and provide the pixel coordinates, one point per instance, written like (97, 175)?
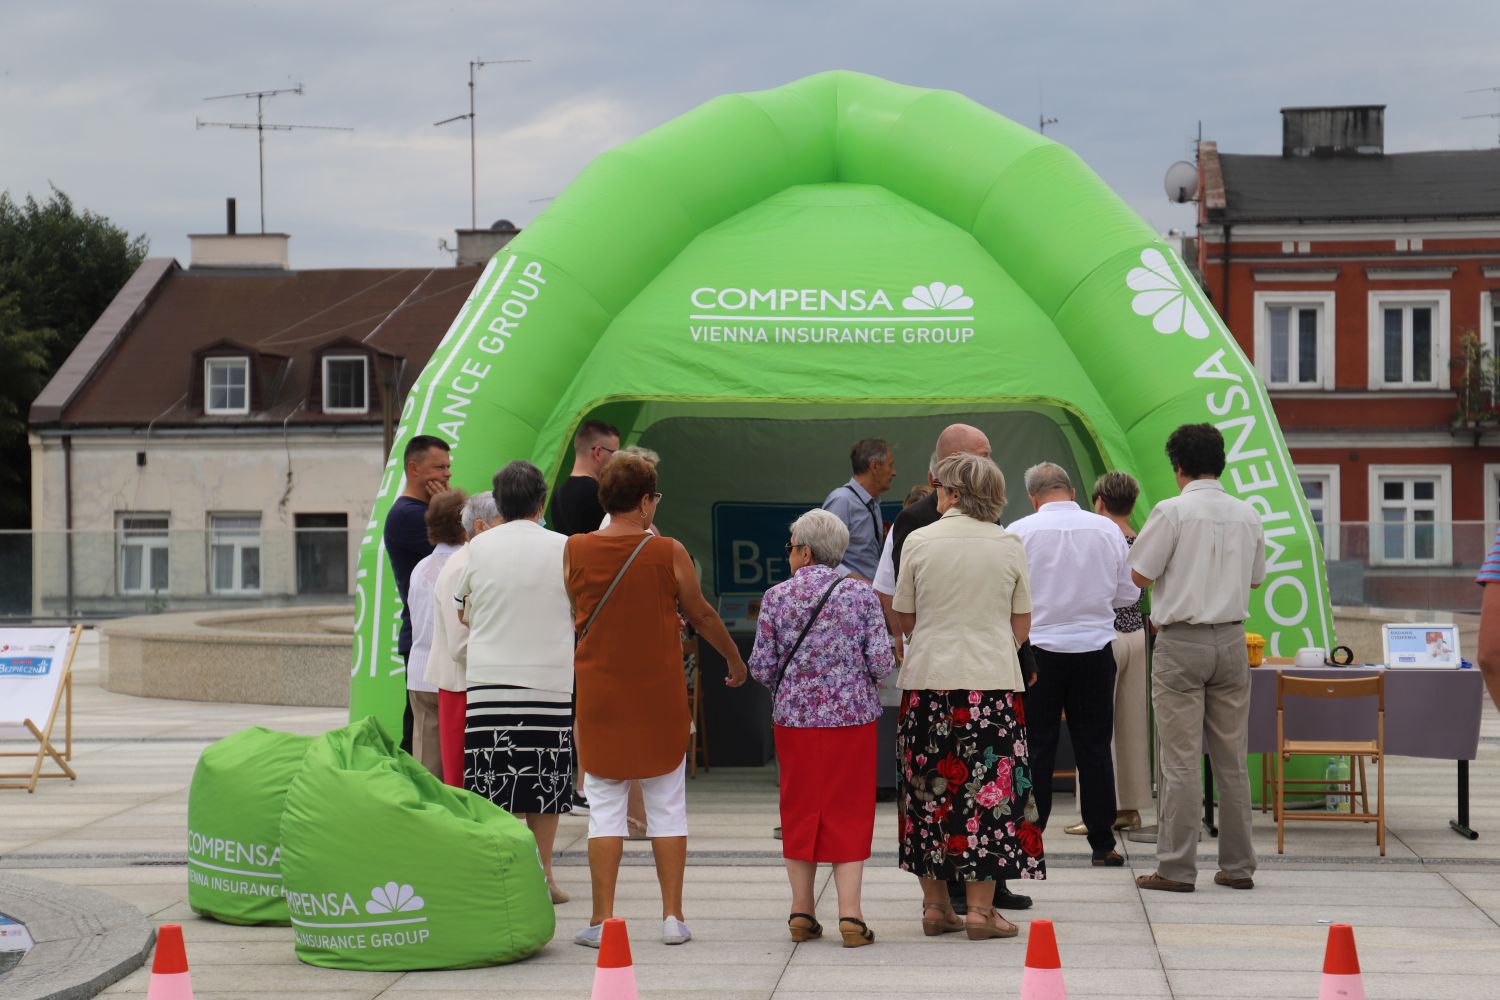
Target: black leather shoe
(1007, 900)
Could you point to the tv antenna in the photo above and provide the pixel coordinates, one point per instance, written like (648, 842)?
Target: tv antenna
(1484, 90)
(261, 127)
(474, 65)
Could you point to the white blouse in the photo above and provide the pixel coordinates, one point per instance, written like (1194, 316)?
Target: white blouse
(520, 622)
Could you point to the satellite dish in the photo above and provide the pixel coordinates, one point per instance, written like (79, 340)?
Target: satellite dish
(1181, 182)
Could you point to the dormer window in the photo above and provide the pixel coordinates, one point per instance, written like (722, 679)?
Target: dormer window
(226, 386)
(346, 381)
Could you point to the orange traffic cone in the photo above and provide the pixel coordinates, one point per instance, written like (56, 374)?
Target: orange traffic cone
(614, 976)
(1043, 978)
(169, 970)
(1341, 978)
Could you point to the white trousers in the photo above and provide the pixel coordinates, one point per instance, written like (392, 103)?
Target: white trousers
(666, 804)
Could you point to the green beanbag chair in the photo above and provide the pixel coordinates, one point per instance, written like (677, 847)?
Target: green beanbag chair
(234, 825)
(389, 869)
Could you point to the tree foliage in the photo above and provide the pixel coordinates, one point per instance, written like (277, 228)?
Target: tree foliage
(59, 269)
(64, 265)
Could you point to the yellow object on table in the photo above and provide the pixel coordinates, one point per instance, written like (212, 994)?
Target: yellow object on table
(1255, 645)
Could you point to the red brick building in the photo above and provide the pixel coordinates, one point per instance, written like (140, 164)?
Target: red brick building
(1351, 276)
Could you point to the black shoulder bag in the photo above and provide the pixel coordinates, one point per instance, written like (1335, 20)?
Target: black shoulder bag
(817, 610)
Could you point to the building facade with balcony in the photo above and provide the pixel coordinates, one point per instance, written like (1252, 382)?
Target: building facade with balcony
(219, 434)
(1365, 286)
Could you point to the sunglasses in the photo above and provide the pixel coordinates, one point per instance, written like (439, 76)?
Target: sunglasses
(794, 545)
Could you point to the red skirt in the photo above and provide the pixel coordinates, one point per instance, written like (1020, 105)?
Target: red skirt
(827, 792)
(452, 707)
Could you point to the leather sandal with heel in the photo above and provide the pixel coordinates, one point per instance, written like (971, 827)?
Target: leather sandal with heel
(948, 924)
(804, 927)
(856, 936)
(987, 930)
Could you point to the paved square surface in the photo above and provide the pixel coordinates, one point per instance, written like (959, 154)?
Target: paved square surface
(1426, 917)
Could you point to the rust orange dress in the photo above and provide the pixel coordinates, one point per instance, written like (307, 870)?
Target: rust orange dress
(632, 700)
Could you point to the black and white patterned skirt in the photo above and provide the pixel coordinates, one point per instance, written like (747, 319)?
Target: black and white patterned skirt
(518, 748)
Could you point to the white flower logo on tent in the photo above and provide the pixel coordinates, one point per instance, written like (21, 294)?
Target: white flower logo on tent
(937, 296)
(1160, 295)
(393, 898)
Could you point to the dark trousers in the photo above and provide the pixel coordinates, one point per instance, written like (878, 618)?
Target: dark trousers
(1083, 685)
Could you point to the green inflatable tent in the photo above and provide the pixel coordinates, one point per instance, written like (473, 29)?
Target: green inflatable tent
(756, 284)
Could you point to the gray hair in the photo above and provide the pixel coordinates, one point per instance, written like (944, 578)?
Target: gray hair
(932, 463)
(481, 507)
(639, 452)
(1046, 477)
(520, 490)
(824, 534)
(979, 483)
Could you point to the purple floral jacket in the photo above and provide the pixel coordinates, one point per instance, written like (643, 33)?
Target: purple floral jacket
(832, 680)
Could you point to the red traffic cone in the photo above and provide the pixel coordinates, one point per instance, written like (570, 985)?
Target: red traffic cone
(614, 976)
(1341, 978)
(1043, 978)
(169, 969)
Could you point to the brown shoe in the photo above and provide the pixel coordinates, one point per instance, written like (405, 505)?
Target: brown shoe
(1234, 883)
(992, 925)
(947, 922)
(1109, 859)
(1155, 881)
(804, 927)
(855, 933)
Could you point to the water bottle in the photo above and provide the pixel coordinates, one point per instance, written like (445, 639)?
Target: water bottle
(1331, 775)
(1346, 802)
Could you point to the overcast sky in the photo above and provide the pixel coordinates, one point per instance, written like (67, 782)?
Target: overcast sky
(100, 98)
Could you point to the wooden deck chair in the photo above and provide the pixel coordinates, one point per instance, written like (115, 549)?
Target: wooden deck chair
(1357, 785)
(36, 678)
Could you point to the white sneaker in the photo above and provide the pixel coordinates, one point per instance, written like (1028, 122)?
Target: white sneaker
(673, 931)
(589, 937)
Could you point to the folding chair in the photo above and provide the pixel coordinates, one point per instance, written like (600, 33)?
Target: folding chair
(1357, 786)
(29, 700)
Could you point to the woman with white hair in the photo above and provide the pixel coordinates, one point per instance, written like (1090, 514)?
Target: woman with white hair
(821, 646)
(963, 778)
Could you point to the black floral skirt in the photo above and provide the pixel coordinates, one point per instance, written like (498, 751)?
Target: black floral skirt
(964, 793)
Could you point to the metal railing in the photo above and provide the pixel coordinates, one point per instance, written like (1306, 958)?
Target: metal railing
(144, 568)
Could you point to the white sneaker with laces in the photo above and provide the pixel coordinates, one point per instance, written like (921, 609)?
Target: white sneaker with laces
(589, 937)
(673, 931)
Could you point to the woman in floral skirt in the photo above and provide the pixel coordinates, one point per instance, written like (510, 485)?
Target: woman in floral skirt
(964, 781)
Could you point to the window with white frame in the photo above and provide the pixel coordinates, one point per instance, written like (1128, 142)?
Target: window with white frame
(1410, 515)
(1491, 504)
(346, 383)
(1320, 484)
(226, 385)
(144, 556)
(234, 553)
(1409, 340)
(1489, 319)
(1294, 339)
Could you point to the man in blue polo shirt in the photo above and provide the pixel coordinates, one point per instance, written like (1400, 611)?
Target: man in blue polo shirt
(857, 504)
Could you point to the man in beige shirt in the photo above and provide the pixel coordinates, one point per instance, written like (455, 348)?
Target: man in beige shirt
(1203, 550)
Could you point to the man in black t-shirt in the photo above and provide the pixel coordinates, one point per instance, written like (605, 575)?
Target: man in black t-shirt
(428, 467)
(955, 439)
(575, 506)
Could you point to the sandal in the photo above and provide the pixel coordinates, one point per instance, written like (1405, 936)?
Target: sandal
(988, 929)
(805, 927)
(858, 936)
(949, 923)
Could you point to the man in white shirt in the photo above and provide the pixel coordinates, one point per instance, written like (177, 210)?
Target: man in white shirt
(1079, 570)
(1204, 551)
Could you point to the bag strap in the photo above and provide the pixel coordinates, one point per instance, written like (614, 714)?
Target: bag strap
(611, 588)
(817, 610)
(868, 505)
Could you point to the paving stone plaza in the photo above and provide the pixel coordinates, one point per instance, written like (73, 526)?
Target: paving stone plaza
(1426, 917)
